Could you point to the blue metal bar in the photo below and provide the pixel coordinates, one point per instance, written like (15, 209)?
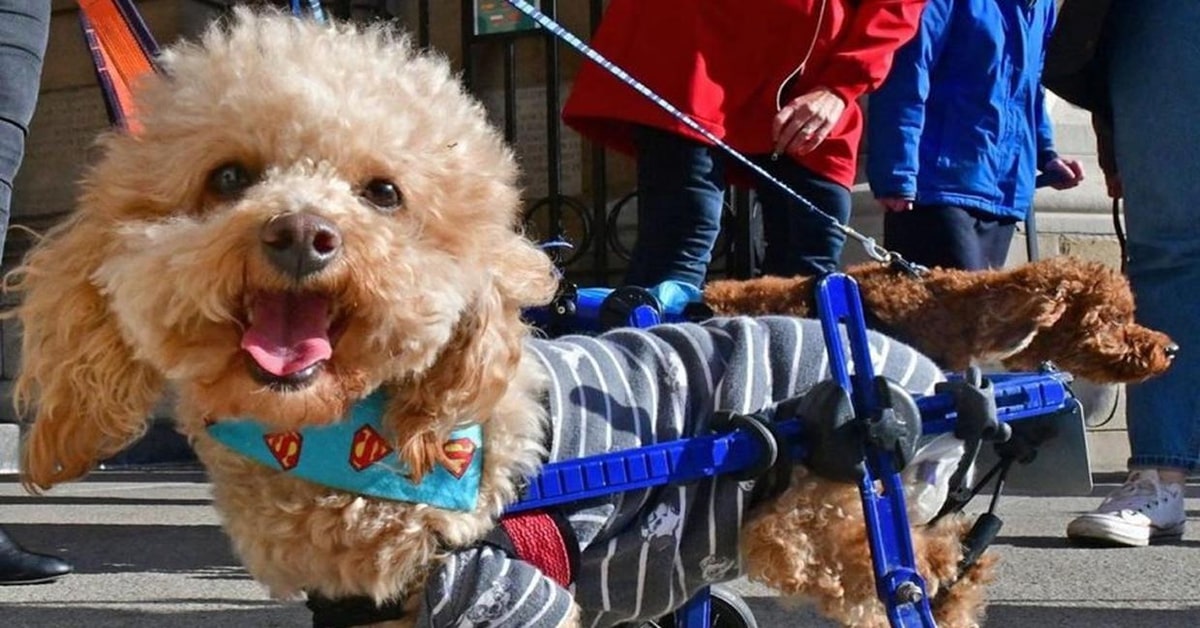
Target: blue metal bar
(1018, 396)
(672, 462)
(901, 588)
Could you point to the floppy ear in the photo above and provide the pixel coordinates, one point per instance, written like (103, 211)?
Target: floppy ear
(90, 397)
(474, 369)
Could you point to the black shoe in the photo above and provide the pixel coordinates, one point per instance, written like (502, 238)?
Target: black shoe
(18, 566)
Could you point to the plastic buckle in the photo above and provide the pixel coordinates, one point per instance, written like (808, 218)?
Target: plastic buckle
(977, 420)
(896, 425)
(834, 434)
(975, 408)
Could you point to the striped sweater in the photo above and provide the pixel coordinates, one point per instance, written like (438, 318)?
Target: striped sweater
(644, 553)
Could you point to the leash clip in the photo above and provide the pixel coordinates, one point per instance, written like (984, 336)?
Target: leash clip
(882, 255)
(876, 251)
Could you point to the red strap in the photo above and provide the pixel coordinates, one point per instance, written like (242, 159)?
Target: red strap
(122, 50)
(537, 539)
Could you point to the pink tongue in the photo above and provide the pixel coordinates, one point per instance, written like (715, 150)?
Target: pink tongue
(290, 332)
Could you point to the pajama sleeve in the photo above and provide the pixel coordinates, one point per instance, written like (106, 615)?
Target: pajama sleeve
(481, 587)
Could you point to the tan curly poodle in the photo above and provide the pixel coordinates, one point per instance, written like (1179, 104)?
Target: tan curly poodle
(271, 128)
(1072, 312)
(310, 215)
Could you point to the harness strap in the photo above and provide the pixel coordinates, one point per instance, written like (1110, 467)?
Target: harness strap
(122, 50)
(543, 538)
(778, 477)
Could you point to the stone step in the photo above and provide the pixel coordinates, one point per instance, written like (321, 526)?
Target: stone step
(10, 446)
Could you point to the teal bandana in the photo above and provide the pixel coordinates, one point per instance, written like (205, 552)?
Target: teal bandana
(355, 455)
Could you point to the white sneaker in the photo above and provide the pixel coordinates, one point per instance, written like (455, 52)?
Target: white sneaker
(1140, 510)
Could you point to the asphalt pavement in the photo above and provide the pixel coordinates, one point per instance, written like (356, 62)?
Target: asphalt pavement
(148, 551)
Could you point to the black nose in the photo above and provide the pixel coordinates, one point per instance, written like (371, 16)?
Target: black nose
(1171, 350)
(300, 244)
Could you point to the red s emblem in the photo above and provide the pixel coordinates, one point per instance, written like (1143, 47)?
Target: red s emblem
(459, 454)
(367, 448)
(285, 446)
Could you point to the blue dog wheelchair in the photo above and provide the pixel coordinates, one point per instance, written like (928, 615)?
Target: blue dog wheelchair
(854, 428)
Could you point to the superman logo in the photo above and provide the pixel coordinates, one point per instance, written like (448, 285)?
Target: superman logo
(367, 448)
(285, 446)
(458, 456)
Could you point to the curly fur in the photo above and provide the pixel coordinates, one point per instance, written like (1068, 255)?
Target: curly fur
(811, 543)
(159, 267)
(1077, 314)
(159, 270)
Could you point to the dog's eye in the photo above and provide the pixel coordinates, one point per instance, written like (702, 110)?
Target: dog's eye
(382, 193)
(230, 180)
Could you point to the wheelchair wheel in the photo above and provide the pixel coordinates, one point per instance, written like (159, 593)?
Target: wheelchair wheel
(729, 610)
(726, 610)
(574, 225)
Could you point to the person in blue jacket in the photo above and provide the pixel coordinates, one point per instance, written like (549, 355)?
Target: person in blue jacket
(958, 132)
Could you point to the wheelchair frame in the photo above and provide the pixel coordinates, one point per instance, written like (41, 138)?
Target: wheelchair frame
(748, 449)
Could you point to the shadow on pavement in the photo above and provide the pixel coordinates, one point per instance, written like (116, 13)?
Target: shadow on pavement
(771, 613)
(1066, 616)
(254, 614)
(202, 550)
(97, 500)
(1062, 542)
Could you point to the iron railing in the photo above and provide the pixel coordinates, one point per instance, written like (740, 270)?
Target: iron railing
(597, 226)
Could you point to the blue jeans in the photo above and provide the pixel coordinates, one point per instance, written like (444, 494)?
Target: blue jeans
(949, 236)
(681, 191)
(24, 28)
(1155, 76)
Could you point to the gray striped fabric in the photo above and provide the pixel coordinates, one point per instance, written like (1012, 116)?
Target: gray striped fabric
(645, 553)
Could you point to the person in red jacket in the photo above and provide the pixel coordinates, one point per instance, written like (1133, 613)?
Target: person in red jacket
(778, 80)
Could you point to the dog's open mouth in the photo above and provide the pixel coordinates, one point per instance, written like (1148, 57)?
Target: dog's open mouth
(288, 337)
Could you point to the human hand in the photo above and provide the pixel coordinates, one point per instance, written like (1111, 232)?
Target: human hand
(896, 203)
(1063, 174)
(801, 125)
